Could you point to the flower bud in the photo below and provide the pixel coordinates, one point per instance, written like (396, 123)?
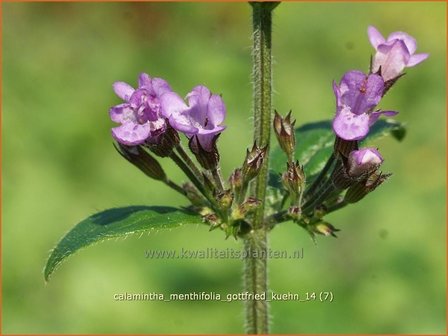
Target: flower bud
(248, 206)
(325, 229)
(213, 220)
(294, 178)
(225, 199)
(284, 130)
(253, 162)
(236, 180)
(360, 189)
(295, 212)
(364, 161)
(164, 144)
(207, 159)
(140, 158)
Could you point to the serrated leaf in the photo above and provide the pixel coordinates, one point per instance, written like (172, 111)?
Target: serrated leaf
(315, 144)
(113, 223)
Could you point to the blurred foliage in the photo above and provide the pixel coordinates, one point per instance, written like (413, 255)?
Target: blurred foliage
(386, 269)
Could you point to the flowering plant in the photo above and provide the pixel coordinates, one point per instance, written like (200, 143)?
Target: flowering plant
(305, 185)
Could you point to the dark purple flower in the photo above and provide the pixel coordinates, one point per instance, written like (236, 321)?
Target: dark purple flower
(202, 117)
(356, 97)
(140, 116)
(364, 161)
(393, 54)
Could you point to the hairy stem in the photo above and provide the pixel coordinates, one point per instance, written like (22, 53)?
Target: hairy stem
(255, 243)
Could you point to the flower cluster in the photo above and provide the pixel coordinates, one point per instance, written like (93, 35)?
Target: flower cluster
(351, 172)
(358, 94)
(153, 107)
(151, 119)
(152, 116)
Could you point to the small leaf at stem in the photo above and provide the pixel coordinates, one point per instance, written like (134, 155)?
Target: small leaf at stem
(113, 223)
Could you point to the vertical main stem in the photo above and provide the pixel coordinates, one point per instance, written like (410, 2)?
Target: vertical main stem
(255, 243)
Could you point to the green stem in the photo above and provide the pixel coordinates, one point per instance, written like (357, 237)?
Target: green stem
(174, 186)
(320, 179)
(189, 172)
(184, 155)
(255, 270)
(216, 173)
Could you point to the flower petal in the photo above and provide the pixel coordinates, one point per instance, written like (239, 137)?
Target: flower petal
(131, 133)
(374, 90)
(366, 155)
(350, 126)
(198, 100)
(181, 123)
(375, 36)
(216, 110)
(408, 40)
(199, 95)
(416, 59)
(172, 104)
(375, 115)
(392, 59)
(206, 140)
(123, 90)
(122, 113)
(361, 92)
(215, 130)
(160, 86)
(144, 81)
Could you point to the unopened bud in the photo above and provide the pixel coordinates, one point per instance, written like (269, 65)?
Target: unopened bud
(295, 212)
(320, 211)
(253, 162)
(213, 220)
(236, 180)
(225, 199)
(325, 229)
(164, 144)
(140, 158)
(284, 130)
(207, 159)
(363, 162)
(245, 208)
(360, 189)
(294, 178)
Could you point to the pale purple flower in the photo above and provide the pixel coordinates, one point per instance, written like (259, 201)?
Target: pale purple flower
(364, 161)
(393, 54)
(356, 97)
(140, 116)
(202, 117)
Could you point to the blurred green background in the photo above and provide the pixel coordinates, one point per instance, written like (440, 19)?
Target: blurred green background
(386, 269)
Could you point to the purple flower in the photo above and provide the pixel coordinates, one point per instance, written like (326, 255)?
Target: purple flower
(140, 116)
(393, 54)
(364, 161)
(356, 97)
(201, 118)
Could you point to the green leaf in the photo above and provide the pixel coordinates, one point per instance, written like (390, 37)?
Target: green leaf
(315, 144)
(115, 223)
